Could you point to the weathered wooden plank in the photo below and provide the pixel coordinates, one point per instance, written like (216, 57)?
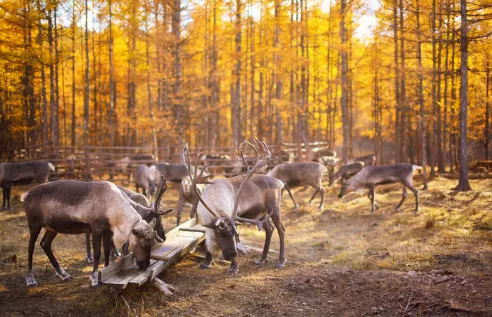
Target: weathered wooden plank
(115, 267)
(188, 224)
(128, 274)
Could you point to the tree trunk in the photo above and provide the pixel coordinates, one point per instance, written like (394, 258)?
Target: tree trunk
(344, 98)
(397, 82)
(403, 103)
(74, 123)
(423, 156)
(487, 108)
(463, 184)
(440, 154)
(236, 102)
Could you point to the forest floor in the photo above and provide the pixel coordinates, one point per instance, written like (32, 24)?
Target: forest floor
(342, 261)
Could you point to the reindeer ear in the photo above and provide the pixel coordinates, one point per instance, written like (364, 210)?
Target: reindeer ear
(152, 223)
(138, 232)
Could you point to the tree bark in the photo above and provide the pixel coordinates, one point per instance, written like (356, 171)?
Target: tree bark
(344, 97)
(463, 184)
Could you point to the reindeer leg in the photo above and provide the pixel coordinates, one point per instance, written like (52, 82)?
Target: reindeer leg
(415, 192)
(404, 196)
(181, 202)
(281, 234)
(4, 197)
(234, 268)
(107, 246)
(372, 197)
(96, 245)
(207, 264)
(287, 188)
(34, 233)
(46, 245)
(268, 238)
(322, 191)
(316, 191)
(88, 247)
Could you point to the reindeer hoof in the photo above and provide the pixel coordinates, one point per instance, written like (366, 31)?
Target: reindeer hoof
(64, 276)
(261, 261)
(205, 266)
(280, 265)
(94, 280)
(395, 211)
(321, 208)
(233, 270)
(31, 282)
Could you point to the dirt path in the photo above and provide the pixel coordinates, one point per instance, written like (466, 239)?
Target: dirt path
(342, 261)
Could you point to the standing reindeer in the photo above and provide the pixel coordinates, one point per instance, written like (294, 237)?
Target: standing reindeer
(187, 195)
(221, 206)
(370, 176)
(367, 160)
(24, 173)
(74, 207)
(299, 174)
(145, 179)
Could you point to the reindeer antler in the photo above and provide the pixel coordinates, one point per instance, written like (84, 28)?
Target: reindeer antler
(263, 155)
(196, 179)
(160, 193)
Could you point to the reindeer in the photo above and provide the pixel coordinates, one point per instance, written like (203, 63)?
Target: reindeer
(23, 173)
(145, 179)
(346, 171)
(370, 176)
(188, 195)
(144, 209)
(75, 207)
(173, 172)
(221, 207)
(298, 174)
(316, 153)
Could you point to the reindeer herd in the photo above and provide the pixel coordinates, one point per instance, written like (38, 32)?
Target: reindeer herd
(121, 219)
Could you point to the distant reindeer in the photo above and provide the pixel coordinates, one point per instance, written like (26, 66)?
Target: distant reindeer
(299, 174)
(316, 153)
(367, 160)
(134, 196)
(187, 195)
(346, 171)
(12, 174)
(146, 179)
(370, 176)
(74, 207)
(222, 206)
(172, 172)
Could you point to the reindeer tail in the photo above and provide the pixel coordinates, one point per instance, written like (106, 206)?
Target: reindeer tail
(52, 167)
(416, 167)
(23, 196)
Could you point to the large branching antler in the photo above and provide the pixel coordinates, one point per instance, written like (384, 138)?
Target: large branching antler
(160, 193)
(263, 155)
(198, 178)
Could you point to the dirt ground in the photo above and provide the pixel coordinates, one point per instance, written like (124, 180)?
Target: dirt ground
(341, 261)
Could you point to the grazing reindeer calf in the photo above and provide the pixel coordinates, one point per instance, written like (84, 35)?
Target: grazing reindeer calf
(346, 171)
(74, 207)
(188, 195)
(299, 174)
(24, 173)
(370, 176)
(145, 179)
(221, 206)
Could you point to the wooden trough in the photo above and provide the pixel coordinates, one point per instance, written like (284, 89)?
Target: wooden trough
(179, 241)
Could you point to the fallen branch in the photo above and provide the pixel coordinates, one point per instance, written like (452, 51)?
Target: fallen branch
(167, 289)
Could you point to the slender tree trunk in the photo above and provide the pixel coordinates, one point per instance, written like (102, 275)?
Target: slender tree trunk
(149, 91)
(236, 103)
(87, 91)
(74, 123)
(344, 98)
(446, 84)
(177, 70)
(43, 75)
(453, 140)
(112, 85)
(463, 184)
(397, 82)
(432, 130)
(278, 84)
(403, 104)
(440, 154)
(487, 108)
(423, 156)
(53, 130)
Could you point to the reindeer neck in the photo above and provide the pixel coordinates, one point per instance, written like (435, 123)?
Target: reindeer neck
(122, 221)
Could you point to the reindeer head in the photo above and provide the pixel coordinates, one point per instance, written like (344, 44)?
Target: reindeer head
(154, 213)
(346, 188)
(142, 238)
(225, 227)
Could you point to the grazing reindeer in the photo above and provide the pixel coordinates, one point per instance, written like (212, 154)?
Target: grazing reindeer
(145, 179)
(144, 209)
(298, 174)
(316, 153)
(74, 207)
(346, 171)
(370, 176)
(188, 195)
(367, 160)
(221, 206)
(12, 174)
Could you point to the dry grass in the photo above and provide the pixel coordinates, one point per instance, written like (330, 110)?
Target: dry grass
(452, 233)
